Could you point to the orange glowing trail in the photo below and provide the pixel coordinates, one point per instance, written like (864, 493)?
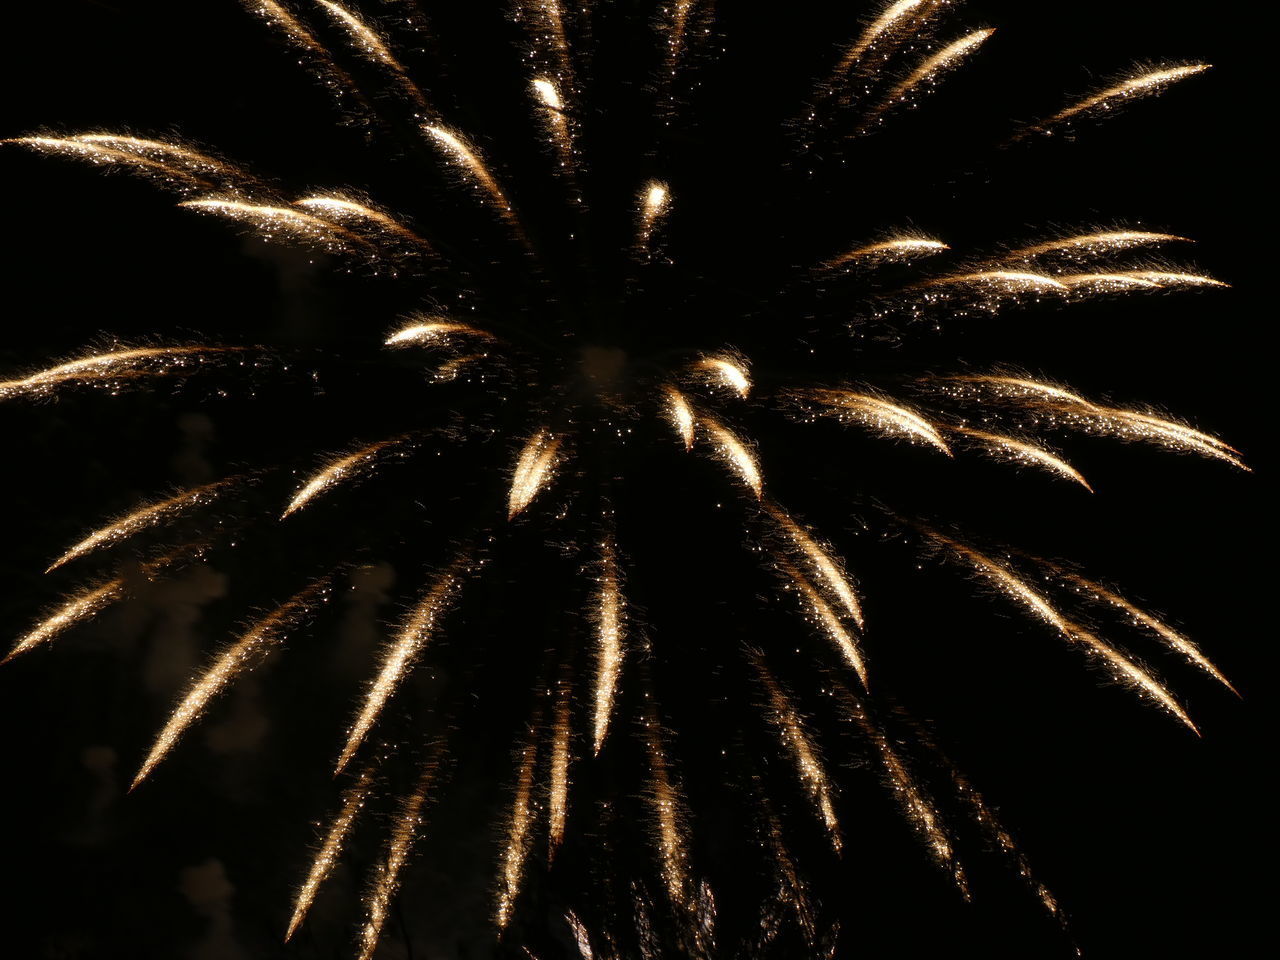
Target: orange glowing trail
(827, 618)
(1020, 451)
(1140, 84)
(1100, 241)
(735, 454)
(272, 219)
(330, 849)
(899, 248)
(142, 518)
(131, 362)
(336, 472)
(896, 18)
(610, 651)
(889, 418)
(668, 817)
(823, 564)
(946, 59)
(244, 654)
(680, 414)
(380, 898)
(517, 848)
(403, 650)
(1008, 583)
(338, 209)
(561, 756)
(534, 469)
(655, 202)
(470, 162)
(368, 41)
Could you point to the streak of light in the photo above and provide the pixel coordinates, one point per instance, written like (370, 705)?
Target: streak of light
(735, 454)
(1020, 451)
(243, 654)
(517, 848)
(533, 471)
(610, 650)
(335, 473)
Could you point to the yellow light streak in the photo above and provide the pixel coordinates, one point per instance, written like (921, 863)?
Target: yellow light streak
(534, 470)
(1020, 451)
(610, 649)
(517, 848)
(337, 472)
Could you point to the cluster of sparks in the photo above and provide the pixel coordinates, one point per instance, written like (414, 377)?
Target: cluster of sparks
(998, 413)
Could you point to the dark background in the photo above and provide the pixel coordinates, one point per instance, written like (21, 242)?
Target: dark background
(1152, 839)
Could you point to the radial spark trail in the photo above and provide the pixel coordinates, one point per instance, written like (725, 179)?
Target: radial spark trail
(823, 563)
(1101, 241)
(80, 607)
(655, 201)
(142, 518)
(517, 847)
(1010, 584)
(836, 631)
(898, 248)
(244, 654)
(533, 471)
(1139, 84)
(889, 418)
(795, 739)
(380, 898)
(668, 817)
(367, 40)
(896, 17)
(131, 362)
(548, 95)
(338, 208)
(735, 454)
(426, 330)
(680, 414)
(167, 159)
(561, 756)
(946, 59)
(467, 159)
(1020, 451)
(326, 858)
(727, 371)
(609, 625)
(272, 219)
(337, 472)
(403, 650)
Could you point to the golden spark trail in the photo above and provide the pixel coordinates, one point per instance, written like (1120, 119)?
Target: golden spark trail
(142, 518)
(948, 58)
(1104, 282)
(327, 857)
(466, 157)
(667, 817)
(822, 562)
(109, 366)
(1019, 388)
(836, 631)
(365, 39)
(899, 248)
(1102, 241)
(1138, 426)
(1016, 589)
(1012, 279)
(270, 219)
(1173, 278)
(335, 473)
(561, 755)
(340, 208)
(379, 899)
(548, 94)
(1022, 452)
(533, 471)
(893, 18)
(919, 809)
(172, 160)
(426, 330)
(654, 204)
(880, 414)
(85, 604)
(69, 146)
(680, 414)
(581, 935)
(244, 654)
(1173, 638)
(808, 765)
(735, 454)
(1140, 84)
(728, 372)
(610, 651)
(517, 849)
(402, 652)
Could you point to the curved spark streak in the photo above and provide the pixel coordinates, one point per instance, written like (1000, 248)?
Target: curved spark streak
(889, 418)
(1020, 450)
(85, 604)
(735, 454)
(1102, 240)
(1104, 281)
(430, 330)
(1173, 638)
(367, 40)
(836, 631)
(1012, 278)
(242, 655)
(1173, 278)
(106, 366)
(402, 652)
(668, 816)
(172, 160)
(466, 157)
(378, 901)
(893, 16)
(728, 372)
(1013, 586)
(822, 562)
(809, 767)
(655, 201)
(335, 473)
(268, 218)
(1020, 387)
(534, 470)
(948, 58)
(331, 849)
(899, 248)
(340, 208)
(558, 780)
(610, 652)
(517, 849)
(548, 95)
(680, 414)
(142, 518)
(1146, 82)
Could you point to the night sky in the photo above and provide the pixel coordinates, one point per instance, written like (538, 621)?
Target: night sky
(1149, 836)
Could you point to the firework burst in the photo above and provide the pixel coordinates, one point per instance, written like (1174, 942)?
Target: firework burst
(576, 370)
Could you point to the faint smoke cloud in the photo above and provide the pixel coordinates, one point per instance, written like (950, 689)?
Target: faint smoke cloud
(209, 891)
(360, 630)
